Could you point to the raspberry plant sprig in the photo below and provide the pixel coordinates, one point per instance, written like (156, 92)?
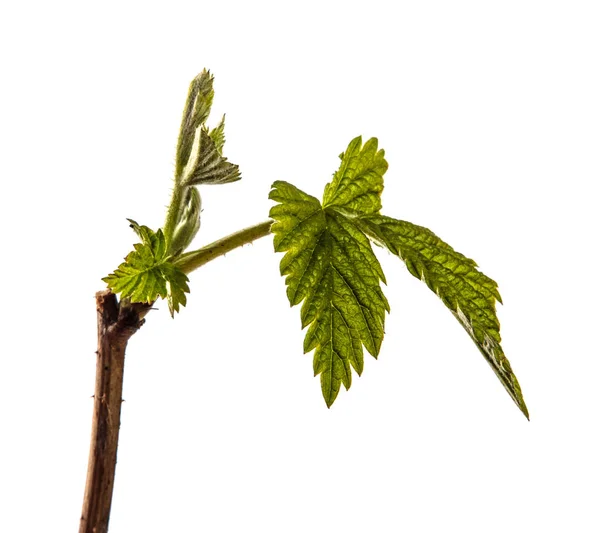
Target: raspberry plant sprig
(329, 267)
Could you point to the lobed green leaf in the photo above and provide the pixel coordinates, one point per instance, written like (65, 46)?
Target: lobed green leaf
(469, 294)
(357, 185)
(148, 273)
(330, 268)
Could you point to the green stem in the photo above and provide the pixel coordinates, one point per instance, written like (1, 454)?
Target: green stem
(173, 213)
(190, 261)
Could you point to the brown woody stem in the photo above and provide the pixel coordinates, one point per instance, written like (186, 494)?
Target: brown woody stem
(116, 324)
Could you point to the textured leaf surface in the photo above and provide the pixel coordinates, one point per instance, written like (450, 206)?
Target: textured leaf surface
(467, 292)
(196, 111)
(217, 134)
(147, 273)
(330, 268)
(189, 221)
(357, 185)
(206, 165)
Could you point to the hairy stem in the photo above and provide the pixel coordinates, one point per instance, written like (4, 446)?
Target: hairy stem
(173, 213)
(116, 324)
(192, 260)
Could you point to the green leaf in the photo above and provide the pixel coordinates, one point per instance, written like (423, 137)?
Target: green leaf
(189, 222)
(357, 185)
(177, 286)
(143, 232)
(147, 272)
(330, 268)
(206, 165)
(469, 294)
(217, 134)
(196, 111)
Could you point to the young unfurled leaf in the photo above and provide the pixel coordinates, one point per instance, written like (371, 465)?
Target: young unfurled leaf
(189, 222)
(147, 272)
(206, 165)
(217, 134)
(199, 152)
(199, 161)
(469, 294)
(196, 111)
(331, 268)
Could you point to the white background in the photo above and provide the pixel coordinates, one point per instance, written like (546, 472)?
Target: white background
(489, 114)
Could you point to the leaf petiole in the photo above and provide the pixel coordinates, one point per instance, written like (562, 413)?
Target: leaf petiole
(190, 261)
